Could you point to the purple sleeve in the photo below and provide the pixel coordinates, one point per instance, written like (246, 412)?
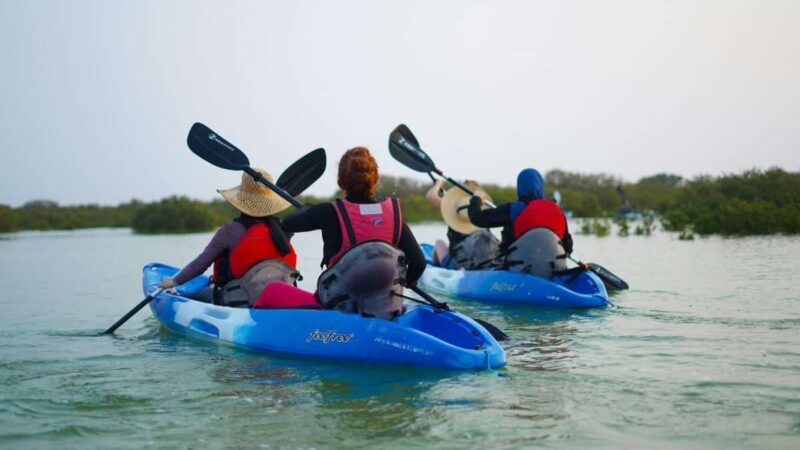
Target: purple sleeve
(224, 239)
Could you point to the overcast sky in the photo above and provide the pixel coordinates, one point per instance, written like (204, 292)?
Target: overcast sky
(97, 96)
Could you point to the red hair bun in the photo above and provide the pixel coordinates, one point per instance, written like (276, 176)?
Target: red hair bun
(358, 173)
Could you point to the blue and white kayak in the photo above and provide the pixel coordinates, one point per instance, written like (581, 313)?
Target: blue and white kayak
(573, 290)
(421, 337)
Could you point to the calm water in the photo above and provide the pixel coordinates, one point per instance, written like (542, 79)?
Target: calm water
(703, 352)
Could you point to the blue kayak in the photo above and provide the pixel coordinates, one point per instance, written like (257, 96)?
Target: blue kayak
(581, 289)
(421, 337)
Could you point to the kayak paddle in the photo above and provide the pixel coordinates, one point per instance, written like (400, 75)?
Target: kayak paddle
(135, 309)
(608, 278)
(210, 146)
(213, 148)
(405, 148)
(295, 179)
(303, 173)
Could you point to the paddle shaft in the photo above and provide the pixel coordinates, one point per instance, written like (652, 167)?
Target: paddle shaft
(135, 309)
(580, 263)
(258, 177)
(460, 186)
(428, 298)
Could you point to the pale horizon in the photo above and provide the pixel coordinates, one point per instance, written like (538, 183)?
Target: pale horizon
(98, 96)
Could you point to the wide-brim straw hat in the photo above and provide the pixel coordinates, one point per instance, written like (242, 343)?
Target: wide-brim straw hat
(454, 207)
(253, 198)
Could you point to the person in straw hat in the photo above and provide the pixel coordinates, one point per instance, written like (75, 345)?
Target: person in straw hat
(469, 246)
(252, 247)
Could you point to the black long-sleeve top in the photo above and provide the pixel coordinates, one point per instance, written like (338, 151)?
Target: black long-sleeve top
(501, 217)
(323, 217)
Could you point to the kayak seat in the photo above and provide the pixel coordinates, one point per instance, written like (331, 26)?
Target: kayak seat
(285, 296)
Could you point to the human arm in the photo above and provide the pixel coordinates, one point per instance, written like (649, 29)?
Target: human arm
(433, 193)
(308, 218)
(566, 242)
(414, 256)
(488, 218)
(225, 238)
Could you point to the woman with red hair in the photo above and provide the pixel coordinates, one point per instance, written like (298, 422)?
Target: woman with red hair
(358, 219)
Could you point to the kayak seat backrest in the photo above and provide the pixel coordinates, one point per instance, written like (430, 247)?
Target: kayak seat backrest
(243, 292)
(537, 252)
(476, 251)
(366, 281)
(284, 295)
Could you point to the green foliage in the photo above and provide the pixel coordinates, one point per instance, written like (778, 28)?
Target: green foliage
(599, 227)
(8, 219)
(415, 206)
(624, 228)
(400, 186)
(48, 215)
(754, 202)
(646, 227)
(585, 195)
(223, 211)
(175, 215)
(662, 179)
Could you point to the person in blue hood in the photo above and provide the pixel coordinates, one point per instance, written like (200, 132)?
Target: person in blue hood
(531, 210)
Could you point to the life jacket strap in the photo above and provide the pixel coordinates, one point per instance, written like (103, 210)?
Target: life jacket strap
(348, 225)
(397, 222)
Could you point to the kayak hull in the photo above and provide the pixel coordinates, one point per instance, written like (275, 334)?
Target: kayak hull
(581, 290)
(421, 337)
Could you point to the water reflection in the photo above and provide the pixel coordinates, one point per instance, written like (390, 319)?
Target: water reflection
(541, 338)
(703, 344)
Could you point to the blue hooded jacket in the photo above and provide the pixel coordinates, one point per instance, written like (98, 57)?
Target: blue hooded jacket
(530, 186)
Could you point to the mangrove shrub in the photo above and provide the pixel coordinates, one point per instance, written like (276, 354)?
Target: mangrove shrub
(175, 215)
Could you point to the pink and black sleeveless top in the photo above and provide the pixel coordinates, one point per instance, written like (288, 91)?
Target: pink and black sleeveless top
(362, 222)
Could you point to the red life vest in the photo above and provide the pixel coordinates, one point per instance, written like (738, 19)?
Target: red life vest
(255, 246)
(541, 214)
(367, 222)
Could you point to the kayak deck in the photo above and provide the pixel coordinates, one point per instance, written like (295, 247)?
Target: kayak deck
(421, 337)
(574, 290)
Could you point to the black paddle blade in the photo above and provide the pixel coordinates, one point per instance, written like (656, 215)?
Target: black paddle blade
(608, 278)
(207, 144)
(496, 333)
(303, 173)
(403, 147)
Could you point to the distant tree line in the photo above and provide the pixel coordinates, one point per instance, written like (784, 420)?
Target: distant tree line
(754, 202)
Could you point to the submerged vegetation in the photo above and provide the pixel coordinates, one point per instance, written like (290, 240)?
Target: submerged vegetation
(754, 202)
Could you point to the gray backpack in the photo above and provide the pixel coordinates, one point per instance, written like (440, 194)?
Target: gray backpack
(476, 251)
(366, 280)
(245, 291)
(537, 252)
